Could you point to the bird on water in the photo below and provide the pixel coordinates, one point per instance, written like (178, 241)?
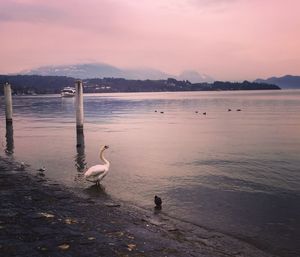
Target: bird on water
(41, 171)
(22, 166)
(158, 202)
(97, 172)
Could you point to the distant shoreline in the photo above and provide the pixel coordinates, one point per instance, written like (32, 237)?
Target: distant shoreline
(35, 84)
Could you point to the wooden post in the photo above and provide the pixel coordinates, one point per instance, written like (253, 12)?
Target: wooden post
(9, 139)
(80, 157)
(8, 103)
(79, 106)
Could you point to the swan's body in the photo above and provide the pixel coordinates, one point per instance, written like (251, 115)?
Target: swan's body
(97, 172)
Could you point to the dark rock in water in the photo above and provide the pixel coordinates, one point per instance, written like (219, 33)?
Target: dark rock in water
(204, 113)
(157, 201)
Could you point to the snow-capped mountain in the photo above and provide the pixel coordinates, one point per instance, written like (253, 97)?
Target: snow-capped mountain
(194, 77)
(80, 71)
(96, 70)
(101, 70)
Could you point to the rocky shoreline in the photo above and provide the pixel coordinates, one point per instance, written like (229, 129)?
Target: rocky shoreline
(42, 218)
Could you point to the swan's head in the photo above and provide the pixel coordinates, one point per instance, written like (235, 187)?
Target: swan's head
(105, 147)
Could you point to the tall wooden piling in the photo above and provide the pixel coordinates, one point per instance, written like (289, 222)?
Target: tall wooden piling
(80, 157)
(8, 103)
(79, 106)
(9, 150)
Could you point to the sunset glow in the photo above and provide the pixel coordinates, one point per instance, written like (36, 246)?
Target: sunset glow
(226, 39)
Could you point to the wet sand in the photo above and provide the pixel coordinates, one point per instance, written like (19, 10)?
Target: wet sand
(41, 218)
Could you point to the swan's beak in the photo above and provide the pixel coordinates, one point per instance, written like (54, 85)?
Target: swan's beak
(106, 147)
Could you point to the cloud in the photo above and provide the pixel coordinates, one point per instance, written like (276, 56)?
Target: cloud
(225, 38)
(16, 11)
(212, 2)
(99, 16)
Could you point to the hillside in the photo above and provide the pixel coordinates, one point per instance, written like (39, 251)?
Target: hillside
(28, 84)
(34, 84)
(102, 70)
(285, 82)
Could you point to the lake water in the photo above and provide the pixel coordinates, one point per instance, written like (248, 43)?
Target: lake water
(233, 172)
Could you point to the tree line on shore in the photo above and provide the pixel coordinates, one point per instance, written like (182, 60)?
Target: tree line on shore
(36, 84)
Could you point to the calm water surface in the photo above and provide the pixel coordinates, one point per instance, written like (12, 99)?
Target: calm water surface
(234, 172)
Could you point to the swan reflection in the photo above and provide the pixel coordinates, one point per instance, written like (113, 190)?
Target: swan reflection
(96, 191)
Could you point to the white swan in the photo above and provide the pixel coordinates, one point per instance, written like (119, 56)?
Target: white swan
(97, 172)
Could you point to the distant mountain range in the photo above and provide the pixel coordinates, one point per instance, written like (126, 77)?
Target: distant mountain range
(101, 70)
(285, 82)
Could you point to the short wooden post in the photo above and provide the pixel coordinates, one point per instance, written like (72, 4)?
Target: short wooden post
(79, 106)
(8, 103)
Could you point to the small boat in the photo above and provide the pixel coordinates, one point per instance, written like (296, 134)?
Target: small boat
(68, 92)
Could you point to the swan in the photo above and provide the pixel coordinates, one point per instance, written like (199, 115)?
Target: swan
(97, 172)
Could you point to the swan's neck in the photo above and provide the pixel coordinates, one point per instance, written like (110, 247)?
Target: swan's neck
(102, 158)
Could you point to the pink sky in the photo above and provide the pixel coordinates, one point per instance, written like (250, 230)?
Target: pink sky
(226, 39)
